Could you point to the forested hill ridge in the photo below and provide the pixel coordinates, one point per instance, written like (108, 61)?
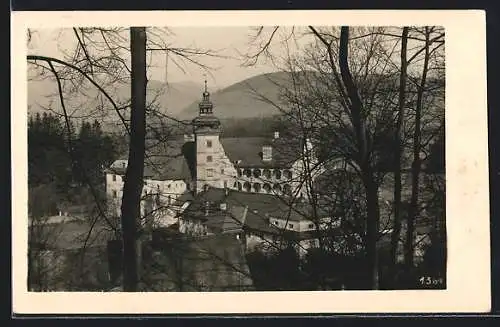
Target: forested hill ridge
(251, 98)
(88, 103)
(249, 101)
(244, 99)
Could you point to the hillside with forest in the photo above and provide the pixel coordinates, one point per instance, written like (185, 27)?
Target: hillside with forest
(86, 102)
(245, 108)
(251, 98)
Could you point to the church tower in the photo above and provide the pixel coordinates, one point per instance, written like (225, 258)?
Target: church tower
(209, 151)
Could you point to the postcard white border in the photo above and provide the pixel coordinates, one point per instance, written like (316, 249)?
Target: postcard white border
(466, 168)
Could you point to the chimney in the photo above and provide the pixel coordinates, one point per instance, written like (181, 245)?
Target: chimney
(276, 135)
(267, 153)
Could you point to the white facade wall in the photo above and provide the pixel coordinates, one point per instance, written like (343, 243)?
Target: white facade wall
(305, 225)
(169, 191)
(213, 167)
(267, 244)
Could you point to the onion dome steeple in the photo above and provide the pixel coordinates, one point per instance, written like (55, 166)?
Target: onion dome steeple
(206, 122)
(206, 106)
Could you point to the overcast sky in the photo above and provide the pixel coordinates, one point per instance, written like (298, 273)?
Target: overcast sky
(229, 42)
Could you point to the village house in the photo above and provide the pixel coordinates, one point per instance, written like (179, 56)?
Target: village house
(261, 221)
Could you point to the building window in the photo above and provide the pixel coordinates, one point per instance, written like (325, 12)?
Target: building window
(248, 172)
(222, 171)
(225, 184)
(114, 178)
(210, 173)
(267, 173)
(114, 194)
(256, 173)
(290, 226)
(288, 174)
(239, 186)
(209, 143)
(277, 187)
(239, 173)
(310, 226)
(277, 173)
(256, 187)
(209, 158)
(287, 189)
(267, 187)
(124, 164)
(247, 186)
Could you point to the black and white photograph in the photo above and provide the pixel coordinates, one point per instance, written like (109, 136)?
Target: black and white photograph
(258, 158)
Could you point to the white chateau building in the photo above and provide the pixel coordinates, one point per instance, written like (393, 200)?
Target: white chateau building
(266, 169)
(244, 178)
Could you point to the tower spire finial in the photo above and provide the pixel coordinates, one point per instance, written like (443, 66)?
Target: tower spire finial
(206, 105)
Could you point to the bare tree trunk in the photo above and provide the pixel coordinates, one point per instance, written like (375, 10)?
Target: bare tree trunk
(363, 158)
(372, 227)
(416, 164)
(132, 188)
(397, 156)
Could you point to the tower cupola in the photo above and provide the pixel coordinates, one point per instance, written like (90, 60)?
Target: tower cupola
(206, 122)
(206, 106)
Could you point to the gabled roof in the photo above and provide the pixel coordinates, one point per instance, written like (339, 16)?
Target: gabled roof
(214, 263)
(172, 160)
(247, 151)
(231, 220)
(260, 207)
(69, 234)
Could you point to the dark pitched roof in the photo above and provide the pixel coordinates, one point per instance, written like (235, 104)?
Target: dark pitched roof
(231, 220)
(68, 235)
(248, 150)
(185, 197)
(169, 160)
(172, 160)
(214, 263)
(260, 206)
